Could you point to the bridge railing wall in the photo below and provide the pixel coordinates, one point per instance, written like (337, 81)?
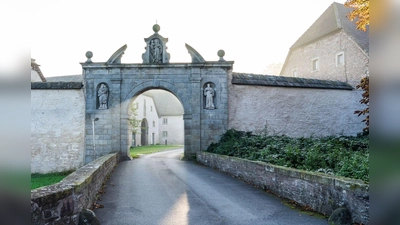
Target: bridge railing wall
(322, 193)
(61, 203)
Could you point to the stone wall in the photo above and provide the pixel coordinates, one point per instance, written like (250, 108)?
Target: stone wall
(61, 203)
(57, 127)
(321, 192)
(325, 50)
(294, 109)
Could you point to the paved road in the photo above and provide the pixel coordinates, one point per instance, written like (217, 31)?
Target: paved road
(161, 189)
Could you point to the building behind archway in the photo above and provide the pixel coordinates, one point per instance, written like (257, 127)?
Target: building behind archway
(163, 114)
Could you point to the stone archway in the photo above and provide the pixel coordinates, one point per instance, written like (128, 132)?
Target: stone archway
(187, 81)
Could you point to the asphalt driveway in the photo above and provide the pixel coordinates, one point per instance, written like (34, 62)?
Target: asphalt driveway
(161, 189)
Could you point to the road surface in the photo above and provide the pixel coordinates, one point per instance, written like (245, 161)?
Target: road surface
(160, 189)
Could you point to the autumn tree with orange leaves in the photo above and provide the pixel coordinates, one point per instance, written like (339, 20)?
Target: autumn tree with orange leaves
(361, 13)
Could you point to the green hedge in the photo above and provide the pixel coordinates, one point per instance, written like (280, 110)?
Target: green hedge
(341, 156)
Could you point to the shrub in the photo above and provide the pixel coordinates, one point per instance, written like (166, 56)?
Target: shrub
(341, 156)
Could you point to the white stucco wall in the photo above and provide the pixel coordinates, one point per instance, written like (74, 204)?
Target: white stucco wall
(295, 112)
(150, 115)
(57, 130)
(175, 130)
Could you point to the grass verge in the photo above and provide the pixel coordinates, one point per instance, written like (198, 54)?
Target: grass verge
(40, 180)
(137, 151)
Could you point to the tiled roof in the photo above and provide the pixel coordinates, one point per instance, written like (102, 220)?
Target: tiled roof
(56, 85)
(281, 81)
(334, 18)
(166, 103)
(67, 78)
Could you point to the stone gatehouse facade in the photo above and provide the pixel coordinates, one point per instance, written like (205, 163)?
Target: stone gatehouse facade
(213, 97)
(186, 81)
(111, 87)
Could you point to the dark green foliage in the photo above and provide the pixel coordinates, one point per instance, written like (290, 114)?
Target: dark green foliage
(340, 156)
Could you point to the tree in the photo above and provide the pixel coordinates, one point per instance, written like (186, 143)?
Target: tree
(133, 122)
(360, 12)
(364, 85)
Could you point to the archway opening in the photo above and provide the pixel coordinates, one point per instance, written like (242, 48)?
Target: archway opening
(156, 118)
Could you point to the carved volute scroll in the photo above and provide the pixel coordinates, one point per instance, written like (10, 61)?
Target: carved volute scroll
(156, 49)
(102, 96)
(116, 57)
(196, 57)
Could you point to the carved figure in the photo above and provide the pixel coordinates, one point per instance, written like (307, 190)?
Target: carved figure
(156, 50)
(103, 96)
(209, 93)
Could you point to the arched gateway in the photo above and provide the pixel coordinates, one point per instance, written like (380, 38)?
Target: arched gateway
(201, 86)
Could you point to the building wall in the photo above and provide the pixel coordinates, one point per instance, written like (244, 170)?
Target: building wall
(57, 130)
(294, 112)
(174, 129)
(149, 113)
(325, 50)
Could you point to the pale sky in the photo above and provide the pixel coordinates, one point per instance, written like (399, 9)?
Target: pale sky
(253, 33)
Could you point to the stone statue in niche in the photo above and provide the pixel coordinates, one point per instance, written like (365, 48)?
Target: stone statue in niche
(209, 93)
(103, 96)
(156, 50)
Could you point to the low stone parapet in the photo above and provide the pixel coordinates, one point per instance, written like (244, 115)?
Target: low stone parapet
(321, 192)
(61, 203)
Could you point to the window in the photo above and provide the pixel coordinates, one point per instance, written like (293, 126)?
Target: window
(165, 134)
(294, 73)
(154, 123)
(340, 59)
(165, 121)
(315, 64)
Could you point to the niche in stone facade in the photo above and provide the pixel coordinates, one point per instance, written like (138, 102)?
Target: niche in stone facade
(209, 95)
(156, 49)
(102, 93)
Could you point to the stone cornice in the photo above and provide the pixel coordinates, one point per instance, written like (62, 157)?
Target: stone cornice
(228, 64)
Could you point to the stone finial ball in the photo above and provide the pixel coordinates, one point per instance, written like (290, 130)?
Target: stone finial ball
(156, 28)
(221, 53)
(89, 54)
